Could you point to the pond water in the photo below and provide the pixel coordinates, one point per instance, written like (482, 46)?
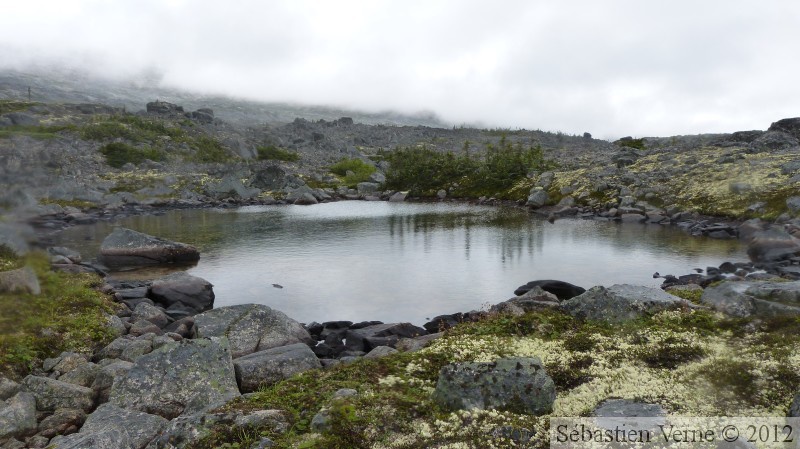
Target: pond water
(357, 260)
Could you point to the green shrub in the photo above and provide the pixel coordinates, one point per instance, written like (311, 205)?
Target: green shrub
(67, 316)
(130, 127)
(424, 171)
(271, 152)
(360, 170)
(118, 154)
(210, 150)
(36, 132)
(630, 142)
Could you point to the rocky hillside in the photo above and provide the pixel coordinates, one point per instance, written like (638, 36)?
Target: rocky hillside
(59, 85)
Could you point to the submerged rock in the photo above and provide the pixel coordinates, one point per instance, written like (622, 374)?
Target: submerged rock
(518, 385)
(127, 248)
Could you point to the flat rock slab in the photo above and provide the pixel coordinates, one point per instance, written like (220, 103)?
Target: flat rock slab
(112, 427)
(128, 248)
(273, 365)
(52, 394)
(251, 328)
(745, 299)
(177, 379)
(518, 385)
(622, 302)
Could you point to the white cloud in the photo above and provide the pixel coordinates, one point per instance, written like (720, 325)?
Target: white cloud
(613, 67)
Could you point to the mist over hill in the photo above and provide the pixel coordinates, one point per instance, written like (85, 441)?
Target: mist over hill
(64, 85)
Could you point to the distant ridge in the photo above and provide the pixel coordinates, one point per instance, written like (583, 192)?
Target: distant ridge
(74, 86)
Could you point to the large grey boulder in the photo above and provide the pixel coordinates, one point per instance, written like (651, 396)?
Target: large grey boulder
(109, 371)
(622, 302)
(230, 186)
(251, 327)
(21, 280)
(518, 385)
(153, 314)
(182, 294)
(273, 365)
(772, 245)
(537, 198)
(18, 416)
(398, 197)
(8, 388)
(126, 348)
(52, 394)
(128, 248)
(184, 432)
(112, 427)
(177, 379)
(763, 299)
(367, 188)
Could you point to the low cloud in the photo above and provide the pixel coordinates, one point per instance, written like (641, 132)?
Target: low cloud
(611, 68)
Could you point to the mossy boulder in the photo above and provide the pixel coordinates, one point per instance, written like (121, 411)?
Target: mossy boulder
(518, 384)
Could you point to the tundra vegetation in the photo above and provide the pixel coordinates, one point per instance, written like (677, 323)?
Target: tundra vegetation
(695, 363)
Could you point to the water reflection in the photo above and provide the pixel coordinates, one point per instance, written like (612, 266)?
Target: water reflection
(365, 260)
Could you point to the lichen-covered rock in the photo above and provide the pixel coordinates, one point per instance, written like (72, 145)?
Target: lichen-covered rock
(185, 431)
(178, 379)
(110, 370)
(52, 394)
(251, 327)
(622, 302)
(128, 248)
(273, 365)
(8, 388)
(112, 427)
(126, 348)
(62, 422)
(182, 292)
(518, 385)
(18, 416)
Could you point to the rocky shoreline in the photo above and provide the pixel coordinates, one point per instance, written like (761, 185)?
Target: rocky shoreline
(175, 358)
(177, 366)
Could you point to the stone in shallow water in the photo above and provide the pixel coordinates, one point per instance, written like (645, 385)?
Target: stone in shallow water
(127, 248)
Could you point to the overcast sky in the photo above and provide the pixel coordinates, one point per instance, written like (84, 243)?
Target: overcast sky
(610, 67)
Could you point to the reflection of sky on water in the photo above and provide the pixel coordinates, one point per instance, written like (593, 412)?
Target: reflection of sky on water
(376, 260)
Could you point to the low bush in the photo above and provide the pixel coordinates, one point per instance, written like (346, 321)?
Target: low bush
(360, 171)
(209, 150)
(271, 152)
(118, 154)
